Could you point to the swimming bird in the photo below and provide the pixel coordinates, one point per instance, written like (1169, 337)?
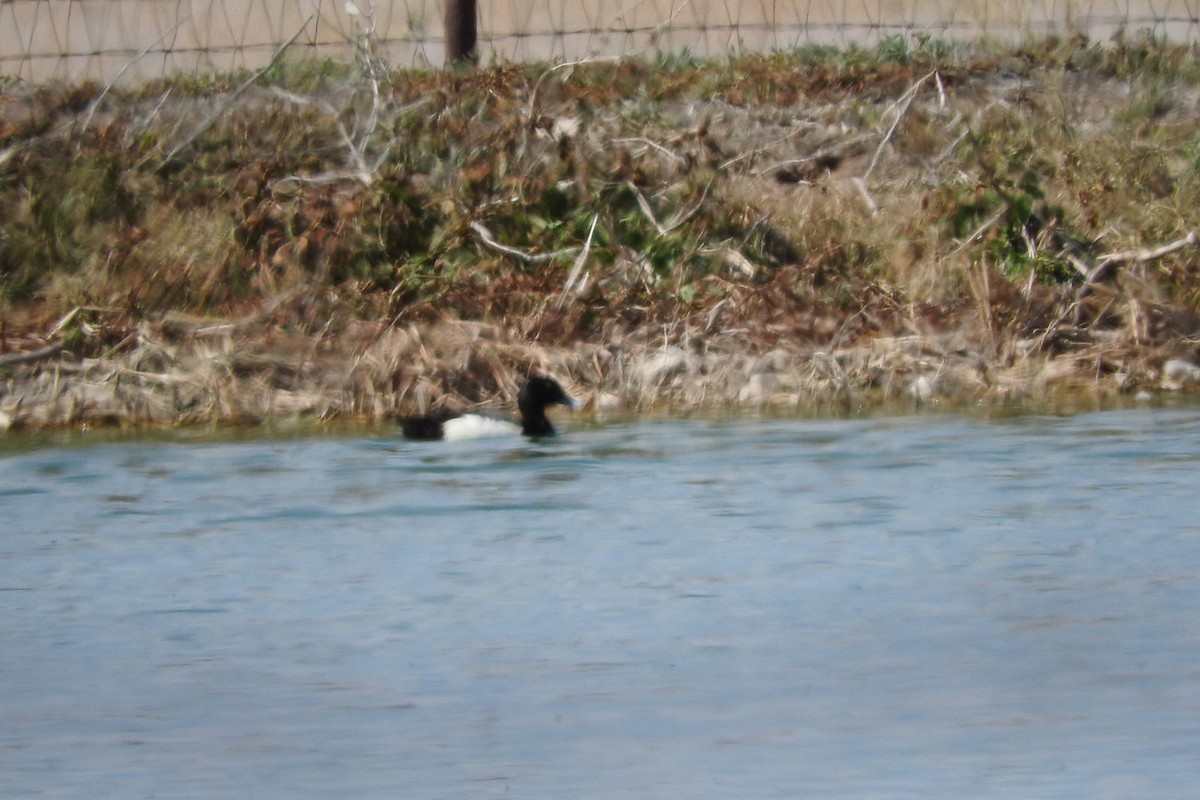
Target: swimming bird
(537, 393)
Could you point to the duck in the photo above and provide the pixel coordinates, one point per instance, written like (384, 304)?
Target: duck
(535, 396)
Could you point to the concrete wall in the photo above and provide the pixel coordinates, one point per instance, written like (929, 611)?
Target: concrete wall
(46, 39)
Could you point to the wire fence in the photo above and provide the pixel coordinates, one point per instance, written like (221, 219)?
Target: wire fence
(140, 39)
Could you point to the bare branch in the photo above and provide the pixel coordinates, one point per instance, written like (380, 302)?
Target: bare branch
(91, 109)
(485, 236)
(573, 280)
(861, 185)
(234, 95)
(680, 217)
(1142, 256)
(901, 106)
(30, 356)
(678, 159)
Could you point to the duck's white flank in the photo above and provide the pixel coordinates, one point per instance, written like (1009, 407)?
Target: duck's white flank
(474, 426)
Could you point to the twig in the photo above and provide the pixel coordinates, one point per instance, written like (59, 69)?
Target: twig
(92, 106)
(66, 320)
(1076, 262)
(830, 153)
(949, 149)
(8, 152)
(532, 113)
(902, 105)
(861, 185)
(750, 154)
(648, 212)
(360, 170)
(357, 141)
(234, 95)
(370, 62)
(988, 223)
(736, 260)
(573, 277)
(677, 220)
(678, 159)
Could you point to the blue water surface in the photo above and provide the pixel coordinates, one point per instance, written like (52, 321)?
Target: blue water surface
(910, 607)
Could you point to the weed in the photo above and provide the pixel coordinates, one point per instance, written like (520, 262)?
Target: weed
(1006, 215)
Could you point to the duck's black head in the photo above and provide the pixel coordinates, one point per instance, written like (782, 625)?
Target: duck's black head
(539, 392)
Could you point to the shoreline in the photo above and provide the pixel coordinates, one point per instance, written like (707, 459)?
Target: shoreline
(220, 374)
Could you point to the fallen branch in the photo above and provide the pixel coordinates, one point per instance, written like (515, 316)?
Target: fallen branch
(1107, 265)
(30, 356)
(1142, 256)
(485, 236)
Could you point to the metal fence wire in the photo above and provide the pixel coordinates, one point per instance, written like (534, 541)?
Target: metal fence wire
(139, 39)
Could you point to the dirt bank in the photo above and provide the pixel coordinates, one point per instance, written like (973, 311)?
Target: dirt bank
(814, 230)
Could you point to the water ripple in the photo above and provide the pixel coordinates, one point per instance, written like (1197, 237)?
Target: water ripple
(930, 606)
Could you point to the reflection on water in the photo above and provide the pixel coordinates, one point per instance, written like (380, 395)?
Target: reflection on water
(914, 607)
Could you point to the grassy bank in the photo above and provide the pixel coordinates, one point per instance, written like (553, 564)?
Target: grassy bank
(821, 227)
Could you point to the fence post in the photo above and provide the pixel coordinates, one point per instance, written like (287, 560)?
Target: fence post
(460, 32)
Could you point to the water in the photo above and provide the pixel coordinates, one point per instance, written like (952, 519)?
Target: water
(921, 607)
